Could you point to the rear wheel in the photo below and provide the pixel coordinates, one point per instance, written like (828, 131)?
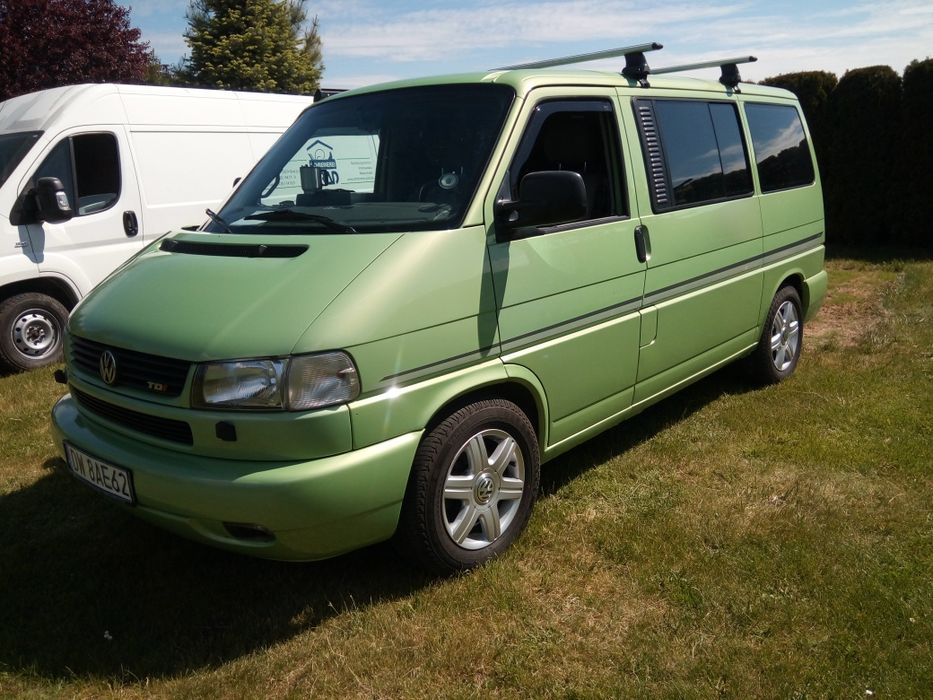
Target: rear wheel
(474, 482)
(31, 329)
(781, 340)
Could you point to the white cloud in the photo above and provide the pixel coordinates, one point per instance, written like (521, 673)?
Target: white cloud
(435, 34)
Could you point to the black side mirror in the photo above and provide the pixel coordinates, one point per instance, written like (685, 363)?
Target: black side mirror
(52, 201)
(547, 197)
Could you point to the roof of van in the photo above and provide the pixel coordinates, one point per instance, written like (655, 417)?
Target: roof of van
(523, 81)
(112, 103)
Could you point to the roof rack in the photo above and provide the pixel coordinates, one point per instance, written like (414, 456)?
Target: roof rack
(636, 67)
(729, 66)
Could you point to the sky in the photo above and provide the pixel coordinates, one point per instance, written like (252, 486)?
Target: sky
(372, 41)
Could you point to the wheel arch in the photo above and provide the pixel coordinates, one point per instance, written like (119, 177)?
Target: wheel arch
(53, 287)
(515, 389)
(788, 278)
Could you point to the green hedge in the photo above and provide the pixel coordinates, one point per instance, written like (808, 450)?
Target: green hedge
(917, 155)
(871, 132)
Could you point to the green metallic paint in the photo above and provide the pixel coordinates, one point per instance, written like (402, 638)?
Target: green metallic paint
(410, 407)
(814, 293)
(568, 318)
(427, 298)
(146, 305)
(339, 502)
(261, 435)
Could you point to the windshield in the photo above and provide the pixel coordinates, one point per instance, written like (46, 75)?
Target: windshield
(399, 160)
(12, 149)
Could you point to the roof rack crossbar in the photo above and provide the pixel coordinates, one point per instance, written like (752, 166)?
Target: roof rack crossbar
(324, 93)
(729, 66)
(637, 50)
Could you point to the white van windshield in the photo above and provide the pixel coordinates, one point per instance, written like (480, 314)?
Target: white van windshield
(398, 160)
(12, 149)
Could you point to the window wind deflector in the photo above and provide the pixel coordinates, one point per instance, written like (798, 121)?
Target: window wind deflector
(293, 215)
(232, 250)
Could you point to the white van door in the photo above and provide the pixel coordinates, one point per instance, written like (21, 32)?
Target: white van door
(97, 172)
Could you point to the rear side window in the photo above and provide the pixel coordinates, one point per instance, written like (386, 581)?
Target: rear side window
(89, 167)
(694, 150)
(781, 150)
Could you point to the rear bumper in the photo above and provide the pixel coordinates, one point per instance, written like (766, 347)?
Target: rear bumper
(815, 292)
(311, 509)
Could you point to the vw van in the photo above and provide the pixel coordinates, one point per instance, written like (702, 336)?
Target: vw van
(427, 289)
(134, 161)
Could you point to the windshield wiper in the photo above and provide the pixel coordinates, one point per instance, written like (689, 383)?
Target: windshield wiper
(292, 215)
(219, 220)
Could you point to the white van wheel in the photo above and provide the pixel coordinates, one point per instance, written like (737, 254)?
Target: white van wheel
(474, 482)
(31, 328)
(781, 340)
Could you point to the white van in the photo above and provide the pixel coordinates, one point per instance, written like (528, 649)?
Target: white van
(135, 161)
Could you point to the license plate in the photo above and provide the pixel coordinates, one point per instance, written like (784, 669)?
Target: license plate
(112, 480)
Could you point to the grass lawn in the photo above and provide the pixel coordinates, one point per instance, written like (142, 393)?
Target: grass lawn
(730, 541)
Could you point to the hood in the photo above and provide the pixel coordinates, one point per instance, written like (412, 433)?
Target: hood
(199, 296)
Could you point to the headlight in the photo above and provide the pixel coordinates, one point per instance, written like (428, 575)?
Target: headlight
(294, 384)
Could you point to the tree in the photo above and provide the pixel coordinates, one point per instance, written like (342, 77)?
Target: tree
(917, 154)
(49, 43)
(254, 45)
(863, 194)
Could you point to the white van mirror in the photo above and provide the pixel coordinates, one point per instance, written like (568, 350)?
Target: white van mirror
(52, 201)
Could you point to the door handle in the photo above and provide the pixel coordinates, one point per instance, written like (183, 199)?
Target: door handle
(130, 224)
(642, 243)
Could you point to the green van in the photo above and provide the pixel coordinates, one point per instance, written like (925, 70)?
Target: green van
(428, 288)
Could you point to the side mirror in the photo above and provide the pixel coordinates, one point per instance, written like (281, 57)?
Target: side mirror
(548, 197)
(52, 201)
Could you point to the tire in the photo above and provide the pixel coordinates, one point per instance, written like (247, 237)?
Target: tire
(781, 342)
(31, 330)
(473, 484)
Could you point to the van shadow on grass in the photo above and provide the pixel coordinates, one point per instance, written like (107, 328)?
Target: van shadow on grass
(87, 590)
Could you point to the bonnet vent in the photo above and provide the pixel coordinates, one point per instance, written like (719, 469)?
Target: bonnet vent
(232, 250)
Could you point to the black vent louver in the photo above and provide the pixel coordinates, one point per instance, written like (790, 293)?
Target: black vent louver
(653, 153)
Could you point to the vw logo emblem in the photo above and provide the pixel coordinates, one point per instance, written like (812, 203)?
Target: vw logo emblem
(108, 367)
(484, 489)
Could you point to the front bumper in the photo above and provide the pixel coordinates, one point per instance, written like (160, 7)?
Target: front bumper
(313, 510)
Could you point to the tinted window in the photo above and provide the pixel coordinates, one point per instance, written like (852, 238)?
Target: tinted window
(576, 136)
(12, 149)
(703, 151)
(737, 176)
(89, 168)
(781, 150)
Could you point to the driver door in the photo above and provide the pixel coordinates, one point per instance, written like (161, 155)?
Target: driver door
(101, 185)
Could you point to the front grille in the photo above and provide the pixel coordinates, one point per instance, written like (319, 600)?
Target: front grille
(164, 376)
(164, 428)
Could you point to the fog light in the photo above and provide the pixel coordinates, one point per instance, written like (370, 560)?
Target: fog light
(249, 532)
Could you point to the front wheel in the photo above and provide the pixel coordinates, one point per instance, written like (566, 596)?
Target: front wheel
(474, 482)
(781, 340)
(31, 328)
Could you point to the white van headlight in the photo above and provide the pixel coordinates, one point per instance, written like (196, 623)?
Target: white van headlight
(294, 384)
